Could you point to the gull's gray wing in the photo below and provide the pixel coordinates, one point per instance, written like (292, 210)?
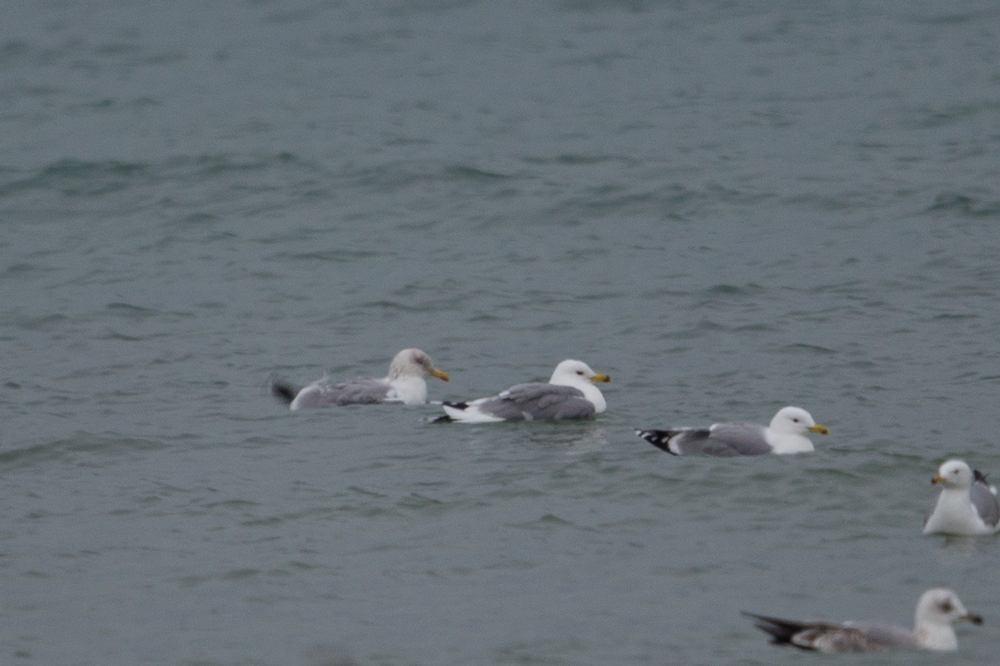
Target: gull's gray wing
(984, 501)
(746, 439)
(539, 401)
(357, 391)
(834, 637)
(831, 637)
(721, 439)
(887, 636)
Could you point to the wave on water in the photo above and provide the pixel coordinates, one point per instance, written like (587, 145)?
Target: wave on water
(966, 205)
(75, 178)
(88, 448)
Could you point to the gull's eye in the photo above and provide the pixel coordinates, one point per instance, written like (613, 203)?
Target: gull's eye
(946, 607)
(579, 372)
(795, 420)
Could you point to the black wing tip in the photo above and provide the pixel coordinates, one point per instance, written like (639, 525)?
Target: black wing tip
(762, 619)
(446, 418)
(979, 476)
(284, 391)
(780, 631)
(658, 438)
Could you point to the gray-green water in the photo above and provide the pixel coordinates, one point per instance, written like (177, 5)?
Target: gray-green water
(728, 207)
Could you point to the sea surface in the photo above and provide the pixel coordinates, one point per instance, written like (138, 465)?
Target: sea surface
(727, 206)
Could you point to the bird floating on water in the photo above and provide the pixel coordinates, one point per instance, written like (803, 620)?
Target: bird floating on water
(404, 384)
(787, 433)
(570, 394)
(967, 505)
(937, 609)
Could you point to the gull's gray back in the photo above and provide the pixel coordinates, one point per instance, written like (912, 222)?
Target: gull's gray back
(539, 401)
(984, 501)
(725, 439)
(851, 637)
(357, 391)
(888, 636)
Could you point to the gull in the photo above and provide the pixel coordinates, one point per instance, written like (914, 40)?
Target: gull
(787, 433)
(932, 629)
(405, 384)
(570, 394)
(967, 505)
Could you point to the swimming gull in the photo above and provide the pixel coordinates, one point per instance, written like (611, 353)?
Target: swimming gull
(967, 504)
(932, 629)
(786, 434)
(570, 394)
(405, 384)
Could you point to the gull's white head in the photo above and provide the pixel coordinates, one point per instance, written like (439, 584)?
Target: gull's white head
(797, 421)
(575, 373)
(579, 375)
(954, 474)
(936, 610)
(414, 363)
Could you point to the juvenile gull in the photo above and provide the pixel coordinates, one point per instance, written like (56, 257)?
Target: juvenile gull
(405, 384)
(568, 395)
(932, 629)
(786, 434)
(967, 504)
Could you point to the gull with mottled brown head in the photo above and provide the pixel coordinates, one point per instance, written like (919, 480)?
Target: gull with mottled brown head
(570, 394)
(405, 384)
(937, 609)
